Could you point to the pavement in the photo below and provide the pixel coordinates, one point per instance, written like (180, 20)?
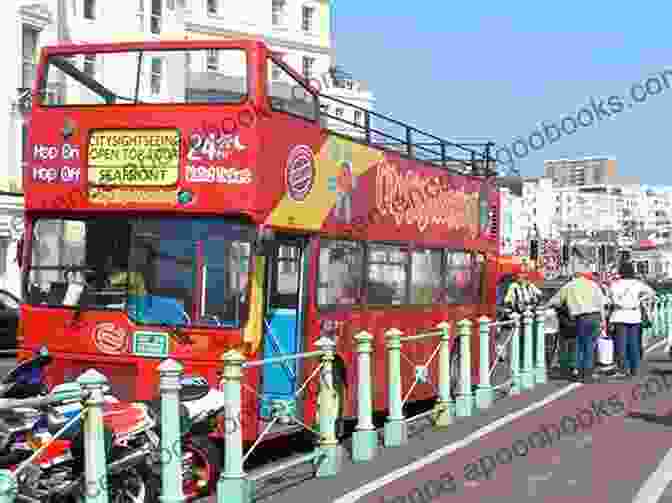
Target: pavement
(561, 441)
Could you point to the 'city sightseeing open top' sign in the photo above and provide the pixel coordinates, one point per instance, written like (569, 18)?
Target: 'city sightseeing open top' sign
(140, 157)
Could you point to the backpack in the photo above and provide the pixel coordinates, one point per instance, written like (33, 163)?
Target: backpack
(503, 287)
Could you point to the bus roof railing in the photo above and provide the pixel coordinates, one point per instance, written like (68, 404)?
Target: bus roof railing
(472, 159)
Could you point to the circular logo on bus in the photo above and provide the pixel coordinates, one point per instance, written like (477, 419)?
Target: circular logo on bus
(300, 172)
(109, 338)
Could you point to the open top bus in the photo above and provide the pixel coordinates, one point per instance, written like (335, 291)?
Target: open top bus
(174, 209)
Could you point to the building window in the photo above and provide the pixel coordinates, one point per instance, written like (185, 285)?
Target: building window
(170, 4)
(213, 60)
(300, 102)
(141, 15)
(90, 65)
(278, 10)
(29, 48)
(307, 14)
(212, 7)
(155, 83)
(339, 112)
(156, 17)
(89, 9)
(308, 63)
(358, 116)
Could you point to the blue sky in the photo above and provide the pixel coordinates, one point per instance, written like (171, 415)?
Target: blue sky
(472, 71)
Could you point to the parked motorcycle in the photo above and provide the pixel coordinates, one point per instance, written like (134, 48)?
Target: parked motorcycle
(202, 455)
(56, 475)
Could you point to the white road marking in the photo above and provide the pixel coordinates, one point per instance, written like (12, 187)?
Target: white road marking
(537, 478)
(376, 484)
(655, 485)
(362, 491)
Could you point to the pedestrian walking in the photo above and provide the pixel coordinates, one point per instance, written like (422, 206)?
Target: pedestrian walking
(584, 302)
(628, 295)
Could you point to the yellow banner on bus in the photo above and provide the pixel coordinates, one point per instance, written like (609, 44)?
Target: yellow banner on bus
(139, 157)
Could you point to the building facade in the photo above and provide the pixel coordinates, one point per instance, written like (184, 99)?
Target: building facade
(575, 172)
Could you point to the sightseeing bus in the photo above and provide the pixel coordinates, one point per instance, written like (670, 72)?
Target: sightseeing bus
(178, 210)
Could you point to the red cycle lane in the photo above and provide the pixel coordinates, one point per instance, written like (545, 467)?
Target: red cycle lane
(500, 465)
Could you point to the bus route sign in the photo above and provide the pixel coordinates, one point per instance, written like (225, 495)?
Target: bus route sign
(138, 157)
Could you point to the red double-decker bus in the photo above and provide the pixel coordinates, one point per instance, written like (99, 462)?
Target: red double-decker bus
(177, 209)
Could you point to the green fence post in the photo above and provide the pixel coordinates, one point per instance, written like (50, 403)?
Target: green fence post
(484, 391)
(396, 430)
(659, 316)
(171, 435)
(8, 487)
(329, 464)
(95, 466)
(516, 384)
(540, 332)
(232, 486)
(444, 405)
(365, 437)
(527, 373)
(662, 323)
(464, 404)
(668, 320)
(647, 333)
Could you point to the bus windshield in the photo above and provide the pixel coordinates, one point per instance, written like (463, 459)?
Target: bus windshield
(138, 76)
(165, 271)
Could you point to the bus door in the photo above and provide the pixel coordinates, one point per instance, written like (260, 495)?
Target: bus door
(283, 319)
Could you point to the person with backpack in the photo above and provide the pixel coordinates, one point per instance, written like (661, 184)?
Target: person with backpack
(628, 295)
(522, 295)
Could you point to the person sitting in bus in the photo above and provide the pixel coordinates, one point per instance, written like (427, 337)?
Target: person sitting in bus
(131, 281)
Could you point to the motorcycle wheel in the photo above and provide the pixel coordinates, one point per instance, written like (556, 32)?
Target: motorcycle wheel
(131, 486)
(205, 466)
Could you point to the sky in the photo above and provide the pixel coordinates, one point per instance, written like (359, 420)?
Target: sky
(497, 70)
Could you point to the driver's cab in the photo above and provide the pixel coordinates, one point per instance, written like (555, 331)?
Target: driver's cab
(166, 271)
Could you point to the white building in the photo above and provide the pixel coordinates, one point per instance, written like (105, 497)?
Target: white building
(344, 89)
(510, 210)
(537, 210)
(299, 31)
